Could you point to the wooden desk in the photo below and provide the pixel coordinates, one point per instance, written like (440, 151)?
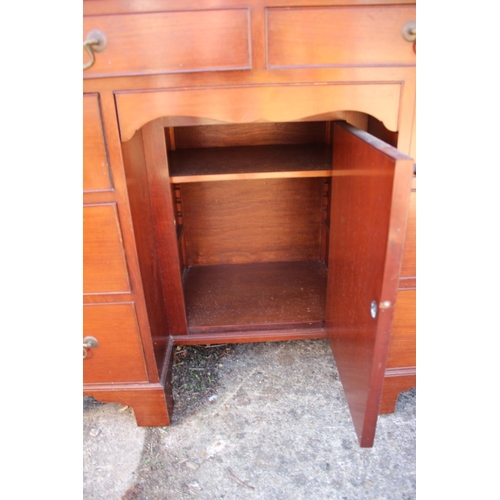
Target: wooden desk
(248, 177)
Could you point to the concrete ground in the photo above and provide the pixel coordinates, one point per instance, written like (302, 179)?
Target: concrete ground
(275, 426)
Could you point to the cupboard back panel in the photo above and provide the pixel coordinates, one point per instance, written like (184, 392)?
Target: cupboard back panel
(260, 134)
(239, 222)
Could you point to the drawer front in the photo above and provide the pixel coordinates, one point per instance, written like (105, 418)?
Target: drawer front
(119, 356)
(402, 349)
(171, 42)
(409, 263)
(95, 159)
(338, 36)
(104, 265)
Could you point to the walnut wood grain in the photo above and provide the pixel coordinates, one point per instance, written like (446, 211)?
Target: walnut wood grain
(367, 222)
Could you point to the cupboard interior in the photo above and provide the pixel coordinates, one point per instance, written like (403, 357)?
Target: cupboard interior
(251, 206)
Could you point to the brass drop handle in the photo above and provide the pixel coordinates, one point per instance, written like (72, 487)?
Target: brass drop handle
(410, 31)
(89, 343)
(96, 42)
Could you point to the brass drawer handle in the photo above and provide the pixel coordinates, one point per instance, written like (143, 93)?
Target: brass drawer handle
(89, 343)
(410, 31)
(96, 42)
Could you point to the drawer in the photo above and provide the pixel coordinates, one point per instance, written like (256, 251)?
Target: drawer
(402, 349)
(119, 356)
(171, 42)
(104, 265)
(95, 159)
(338, 36)
(409, 263)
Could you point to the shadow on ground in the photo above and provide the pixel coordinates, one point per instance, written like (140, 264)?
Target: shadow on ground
(252, 421)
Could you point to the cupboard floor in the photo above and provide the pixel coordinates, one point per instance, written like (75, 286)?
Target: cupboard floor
(259, 294)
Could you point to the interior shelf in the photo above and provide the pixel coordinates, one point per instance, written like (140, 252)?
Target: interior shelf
(271, 293)
(250, 162)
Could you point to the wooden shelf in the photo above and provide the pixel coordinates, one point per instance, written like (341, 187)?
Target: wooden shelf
(277, 294)
(250, 162)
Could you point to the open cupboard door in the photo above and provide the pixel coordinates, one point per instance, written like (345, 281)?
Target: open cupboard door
(370, 196)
